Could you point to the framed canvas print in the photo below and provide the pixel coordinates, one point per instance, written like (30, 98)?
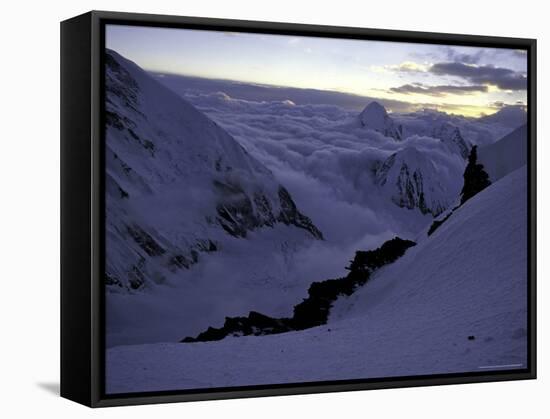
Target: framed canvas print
(254, 208)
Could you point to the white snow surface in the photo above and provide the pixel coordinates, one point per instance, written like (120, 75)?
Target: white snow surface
(414, 317)
(505, 155)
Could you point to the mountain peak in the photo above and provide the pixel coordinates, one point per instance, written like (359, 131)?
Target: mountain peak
(375, 117)
(375, 106)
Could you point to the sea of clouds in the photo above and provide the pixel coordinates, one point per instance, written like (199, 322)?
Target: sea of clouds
(327, 160)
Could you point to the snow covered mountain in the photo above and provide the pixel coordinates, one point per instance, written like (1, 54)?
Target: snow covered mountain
(509, 116)
(375, 117)
(177, 184)
(428, 181)
(464, 132)
(450, 135)
(456, 302)
(505, 155)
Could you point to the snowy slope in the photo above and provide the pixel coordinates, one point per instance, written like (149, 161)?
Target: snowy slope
(414, 317)
(418, 178)
(196, 227)
(505, 155)
(177, 183)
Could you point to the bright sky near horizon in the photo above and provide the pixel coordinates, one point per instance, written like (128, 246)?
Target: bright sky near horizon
(463, 80)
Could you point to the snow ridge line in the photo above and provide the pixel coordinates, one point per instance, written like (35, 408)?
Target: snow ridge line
(314, 310)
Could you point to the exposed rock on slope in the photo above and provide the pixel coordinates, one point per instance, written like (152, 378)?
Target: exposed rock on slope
(451, 136)
(475, 177)
(313, 310)
(413, 180)
(491, 163)
(413, 317)
(176, 182)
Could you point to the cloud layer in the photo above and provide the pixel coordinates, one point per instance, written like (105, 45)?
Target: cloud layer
(440, 90)
(328, 161)
(503, 78)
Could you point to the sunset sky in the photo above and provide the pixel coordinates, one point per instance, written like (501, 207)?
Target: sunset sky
(462, 80)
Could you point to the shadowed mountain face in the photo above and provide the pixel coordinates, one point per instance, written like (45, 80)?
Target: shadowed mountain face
(177, 184)
(375, 117)
(414, 181)
(452, 137)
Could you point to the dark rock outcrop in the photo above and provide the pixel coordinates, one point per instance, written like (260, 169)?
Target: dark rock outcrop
(437, 223)
(475, 180)
(290, 215)
(239, 213)
(475, 177)
(145, 241)
(315, 309)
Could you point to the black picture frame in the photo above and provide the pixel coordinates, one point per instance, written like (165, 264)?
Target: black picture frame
(82, 207)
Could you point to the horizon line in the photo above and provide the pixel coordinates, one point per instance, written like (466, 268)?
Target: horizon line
(368, 99)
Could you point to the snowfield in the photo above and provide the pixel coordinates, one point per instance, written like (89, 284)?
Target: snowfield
(506, 155)
(456, 302)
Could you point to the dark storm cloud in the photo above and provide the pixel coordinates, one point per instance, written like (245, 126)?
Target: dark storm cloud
(459, 57)
(440, 90)
(451, 54)
(503, 78)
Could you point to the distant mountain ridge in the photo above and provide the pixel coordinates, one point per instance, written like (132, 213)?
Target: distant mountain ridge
(509, 116)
